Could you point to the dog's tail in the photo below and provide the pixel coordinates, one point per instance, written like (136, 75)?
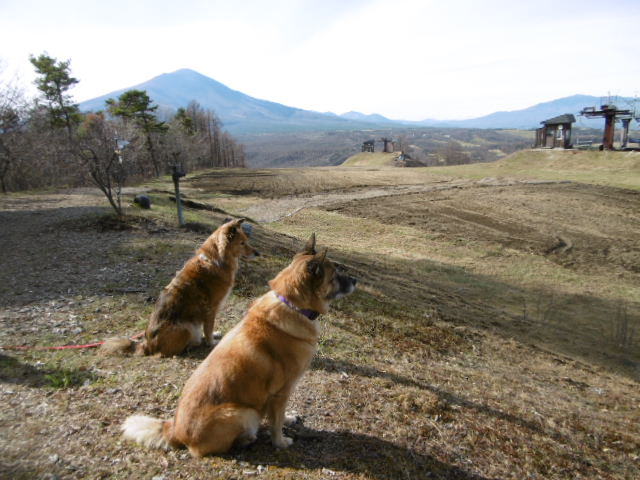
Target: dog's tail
(122, 346)
(149, 432)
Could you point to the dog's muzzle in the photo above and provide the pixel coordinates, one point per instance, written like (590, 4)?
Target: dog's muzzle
(345, 286)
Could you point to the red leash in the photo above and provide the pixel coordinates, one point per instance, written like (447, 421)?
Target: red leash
(61, 347)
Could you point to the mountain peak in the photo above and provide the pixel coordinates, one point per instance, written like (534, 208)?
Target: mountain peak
(238, 112)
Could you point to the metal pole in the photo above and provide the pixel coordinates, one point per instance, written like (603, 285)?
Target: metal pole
(625, 132)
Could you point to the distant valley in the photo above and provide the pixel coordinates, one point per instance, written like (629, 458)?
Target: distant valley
(423, 146)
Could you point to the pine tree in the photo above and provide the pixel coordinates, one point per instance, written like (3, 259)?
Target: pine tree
(135, 106)
(185, 121)
(54, 82)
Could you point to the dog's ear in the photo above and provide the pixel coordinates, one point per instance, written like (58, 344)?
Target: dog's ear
(316, 265)
(233, 229)
(310, 246)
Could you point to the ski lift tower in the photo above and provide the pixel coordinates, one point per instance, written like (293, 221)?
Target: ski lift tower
(610, 113)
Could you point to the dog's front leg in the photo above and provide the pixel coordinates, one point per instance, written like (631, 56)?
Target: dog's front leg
(276, 416)
(207, 329)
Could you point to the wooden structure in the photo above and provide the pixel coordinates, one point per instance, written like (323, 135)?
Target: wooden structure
(555, 132)
(368, 146)
(389, 147)
(611, 114)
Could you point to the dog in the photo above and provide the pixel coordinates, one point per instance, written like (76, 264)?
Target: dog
(252, 372)
(186, 308)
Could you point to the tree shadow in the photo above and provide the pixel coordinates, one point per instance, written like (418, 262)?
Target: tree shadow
(573, 324)
(331, 365)
(12, 371)
(344, 451)
(68, 251)
(15, 470)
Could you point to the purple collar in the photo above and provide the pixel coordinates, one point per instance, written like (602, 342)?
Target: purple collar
(310, 314)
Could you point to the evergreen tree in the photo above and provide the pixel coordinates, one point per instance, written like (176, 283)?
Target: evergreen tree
(54, 82)
(135, 106)
(185, 121)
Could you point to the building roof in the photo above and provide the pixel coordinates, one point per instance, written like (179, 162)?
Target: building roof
(566, 118)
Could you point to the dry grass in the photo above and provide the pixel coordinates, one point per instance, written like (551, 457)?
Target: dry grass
(371, 159)
(459, 357)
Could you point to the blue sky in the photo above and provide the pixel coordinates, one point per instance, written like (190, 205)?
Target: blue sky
(404, 59)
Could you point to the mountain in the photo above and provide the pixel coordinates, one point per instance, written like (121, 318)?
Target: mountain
(242, 114)
(239, 113)
(372, 118)
(532, 116)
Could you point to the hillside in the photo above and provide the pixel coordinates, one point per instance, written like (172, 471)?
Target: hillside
(371, 159)
(494, 332)
(619, 169)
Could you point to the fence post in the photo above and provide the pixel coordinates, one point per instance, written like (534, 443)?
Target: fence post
(176, 174)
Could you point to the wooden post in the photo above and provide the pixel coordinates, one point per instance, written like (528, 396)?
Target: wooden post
(609, 127)
(176, 174)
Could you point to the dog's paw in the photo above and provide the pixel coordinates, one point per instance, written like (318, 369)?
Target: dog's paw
(282, 442)
(246, 440)
(210, 342)
(292, 418)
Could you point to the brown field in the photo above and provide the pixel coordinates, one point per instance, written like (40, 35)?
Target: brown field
(495, 332)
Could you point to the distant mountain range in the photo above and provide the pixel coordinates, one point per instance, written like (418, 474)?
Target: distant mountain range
(532, 116)
(242, 114)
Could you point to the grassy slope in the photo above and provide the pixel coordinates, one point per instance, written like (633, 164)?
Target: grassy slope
(415, 374)
(620, 169)
(370, 159)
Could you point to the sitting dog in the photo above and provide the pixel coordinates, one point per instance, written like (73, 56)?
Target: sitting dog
(252, 372)
(187, 307)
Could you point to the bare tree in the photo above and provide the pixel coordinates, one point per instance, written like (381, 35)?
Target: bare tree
(196, 133)
(12, 117)
(453, 154)
(101, 151)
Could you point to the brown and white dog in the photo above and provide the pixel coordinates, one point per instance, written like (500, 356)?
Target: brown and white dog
(252, 372)
(187, 307)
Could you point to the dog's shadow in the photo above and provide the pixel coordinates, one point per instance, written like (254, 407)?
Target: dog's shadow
(199, 352)
(343, 451)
